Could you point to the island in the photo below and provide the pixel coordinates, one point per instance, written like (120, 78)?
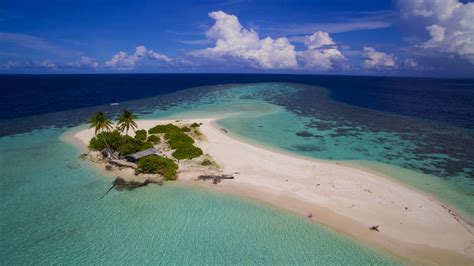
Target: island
(365, 205)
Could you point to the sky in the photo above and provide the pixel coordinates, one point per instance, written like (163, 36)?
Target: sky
(432, 38)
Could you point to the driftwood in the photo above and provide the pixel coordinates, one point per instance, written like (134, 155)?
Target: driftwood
(121, 163)
(375, 228)
(216, 179)
(120, 184)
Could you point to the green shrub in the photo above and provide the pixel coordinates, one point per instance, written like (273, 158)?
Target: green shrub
(154, 139)
(195, 125)
(132, 145)
(125, 145)
(158, 165)
(186, 151)
(113, 139)
(140, 135)
(168, 128)
(177, 139)
(206, 162)
(185, 129)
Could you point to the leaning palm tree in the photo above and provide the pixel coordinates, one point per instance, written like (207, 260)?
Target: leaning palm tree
(100, 122)
(126, 121)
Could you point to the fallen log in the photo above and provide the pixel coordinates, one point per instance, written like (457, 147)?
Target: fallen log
(121, 163)
(120, 184)
(216, 179)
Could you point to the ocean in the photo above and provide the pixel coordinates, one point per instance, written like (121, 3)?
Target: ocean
(416, 130)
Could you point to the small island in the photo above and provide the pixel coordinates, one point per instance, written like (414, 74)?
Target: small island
(358, 202)
(149, 156)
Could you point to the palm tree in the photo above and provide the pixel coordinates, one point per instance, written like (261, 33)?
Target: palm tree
(126, 121)
(100, 122)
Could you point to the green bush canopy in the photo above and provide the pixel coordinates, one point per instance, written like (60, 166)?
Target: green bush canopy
(113, 139)
(154, 139)
(158, 165)
(187, 151)
(140, 134)
(123, 144)
(132, 145)
(168, 128)
(178, 140)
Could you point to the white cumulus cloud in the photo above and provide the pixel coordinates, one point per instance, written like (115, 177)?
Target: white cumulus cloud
(318, 39)
(159, 57)
(374, 59)
(231, 39)
(449, 24)
(47, 64)
(410, 63)
(84, 62)
(122, 60)
(322, 52)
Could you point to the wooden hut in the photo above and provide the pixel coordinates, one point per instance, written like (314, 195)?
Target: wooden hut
(141, 154)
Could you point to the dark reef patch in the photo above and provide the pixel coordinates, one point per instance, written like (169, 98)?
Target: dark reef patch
(306, 148)
(307, 134)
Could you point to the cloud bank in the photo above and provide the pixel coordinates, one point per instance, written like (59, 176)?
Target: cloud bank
(442, 38)
(449, 25)
(374, 59)
(122, 60)
(232, 40)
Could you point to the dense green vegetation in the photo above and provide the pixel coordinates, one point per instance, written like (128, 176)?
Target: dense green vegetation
(187, 151)
(178, 140)
(114, 140)
(175, 140)
(168, 128)
(131, 145)
(158, 165)
(141, 135)
(154, 139)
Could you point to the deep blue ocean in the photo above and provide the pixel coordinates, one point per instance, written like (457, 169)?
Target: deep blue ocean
(417, 130)
(445, 100)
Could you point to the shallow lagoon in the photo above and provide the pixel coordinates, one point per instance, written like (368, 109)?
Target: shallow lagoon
(53, 212)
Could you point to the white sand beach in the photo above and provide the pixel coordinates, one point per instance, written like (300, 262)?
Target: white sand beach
(412, 224)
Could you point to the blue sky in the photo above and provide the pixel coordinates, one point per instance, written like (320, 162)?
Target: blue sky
(405, 37)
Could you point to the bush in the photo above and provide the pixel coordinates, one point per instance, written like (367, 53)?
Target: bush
(206, 162)
(158, 165)
(132, 145)
(168, 128)
(140, 135)
(113, 139)
(186, 151)
(185, 129)
(154, 139)
(195, 125)
(177, 139)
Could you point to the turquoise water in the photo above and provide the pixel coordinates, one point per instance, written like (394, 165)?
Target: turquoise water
(245, 111)
(52, 213)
